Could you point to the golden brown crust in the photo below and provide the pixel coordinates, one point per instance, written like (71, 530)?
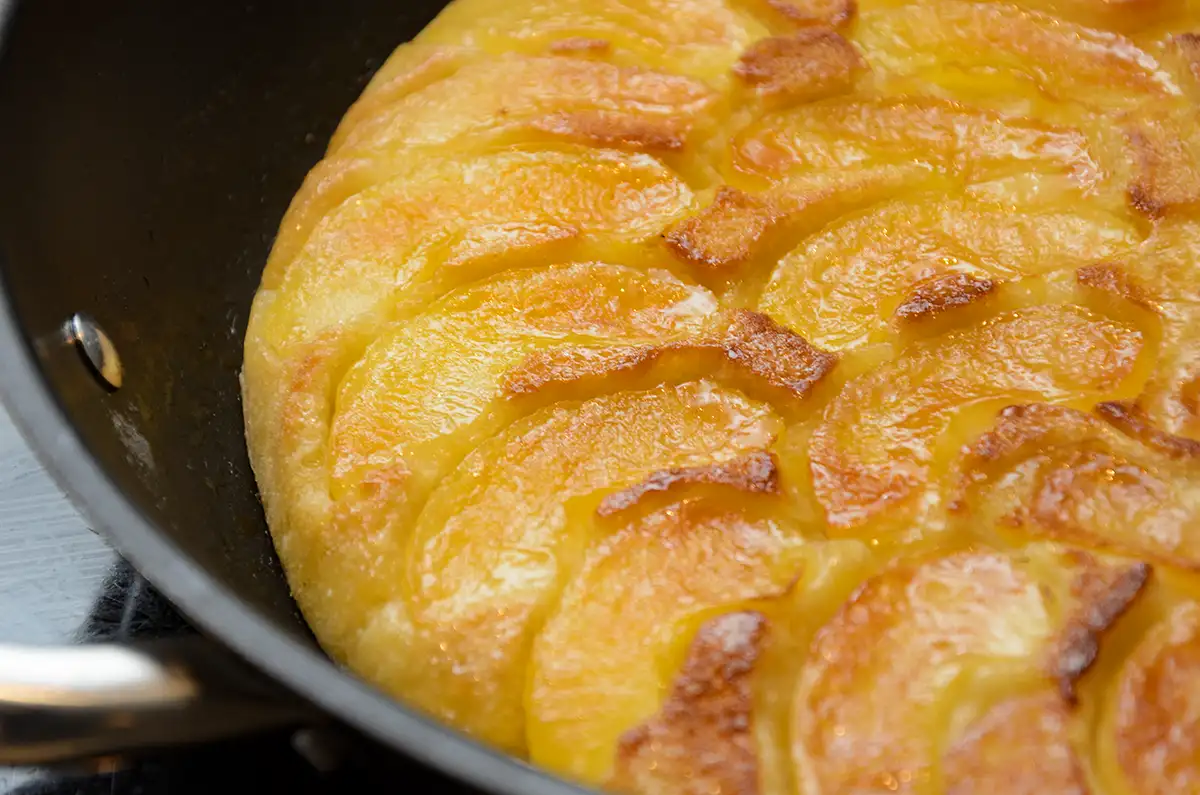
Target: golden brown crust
(812, 12)
(1101, 594)
(1155, 726)
(755, 473)
(1187, 48)
(813, 63)
(751, 343)
(604, 128)
(1115, 279)
(1166, 166)
(941, 294)
(702, 740)
(1132, 421)
(726, 233)
(776, 354)
(576, 45)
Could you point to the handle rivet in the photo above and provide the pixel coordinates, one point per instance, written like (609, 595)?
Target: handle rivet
(96, 349)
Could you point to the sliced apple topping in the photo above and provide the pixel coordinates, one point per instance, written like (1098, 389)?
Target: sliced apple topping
(385, 227)
(1021, 746)
(836, 141)
(802, 13)
(1161, 277)
(1016, 60)
(702, 740)
(1127, 16)
(516, 98)
(915, 258)
(872, 454)
(1058, 473)
(598, 665)
(1150, 735)
(738, 235)
(746, 348)
(1165, 146)
(810, 64)
(701, 38)
(429, 389)
(919, 644)
(501, 535)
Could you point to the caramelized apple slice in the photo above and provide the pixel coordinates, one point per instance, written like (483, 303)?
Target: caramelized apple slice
(430, 389)
(596, 667)
(702, 740)
(837, 141)
(398, 245)
(501, 535)
(872, 454)
(1150, 734)
(1163, 277)
(695, 37)
(745, 349)
(919, 644)
(1014, 59)
(1059, 473)
(522, 98)
(1118, 15)
(1164, 142)
(810, 64)
(1021, 746)
(843, 287)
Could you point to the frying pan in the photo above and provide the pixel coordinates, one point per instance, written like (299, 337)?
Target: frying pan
(147, 153)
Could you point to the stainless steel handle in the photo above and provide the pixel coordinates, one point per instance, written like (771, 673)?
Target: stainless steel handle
(68, 703)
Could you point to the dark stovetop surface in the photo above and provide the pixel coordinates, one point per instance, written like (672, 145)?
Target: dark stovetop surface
(61, 583)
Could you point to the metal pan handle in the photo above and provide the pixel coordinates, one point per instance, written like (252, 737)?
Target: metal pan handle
(71, 703)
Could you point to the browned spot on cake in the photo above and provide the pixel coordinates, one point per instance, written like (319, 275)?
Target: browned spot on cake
(812, 12)
(941, 294)
(775, 353)
(725, 234)
(1189, 395)
(1166, 168)
(580, 45)
(702, 740)
(756, 473)
(1015, 427)
(1114, 279)
(1132, 421)
(304, 402)
(1021, 746)
(608, 128)
(1101, 593)
(750, 343)
(813, 63)
(1187, 45)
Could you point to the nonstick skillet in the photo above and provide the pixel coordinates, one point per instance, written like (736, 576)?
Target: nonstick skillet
(147, 153)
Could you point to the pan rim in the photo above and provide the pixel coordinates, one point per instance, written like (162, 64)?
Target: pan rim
(41, 419)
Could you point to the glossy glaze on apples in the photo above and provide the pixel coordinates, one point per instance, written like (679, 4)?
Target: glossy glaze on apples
(758, 396)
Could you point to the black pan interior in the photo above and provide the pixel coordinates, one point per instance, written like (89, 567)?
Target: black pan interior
(147, 152)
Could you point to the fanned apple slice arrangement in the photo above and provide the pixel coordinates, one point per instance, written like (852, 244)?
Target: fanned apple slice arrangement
(795, 397)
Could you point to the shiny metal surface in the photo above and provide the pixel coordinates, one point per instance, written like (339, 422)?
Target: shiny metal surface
(63, 694)
(70, 703)
(67, 678)
(97, 349)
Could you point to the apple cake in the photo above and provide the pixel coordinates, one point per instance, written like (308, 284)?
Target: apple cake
(758, 396)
